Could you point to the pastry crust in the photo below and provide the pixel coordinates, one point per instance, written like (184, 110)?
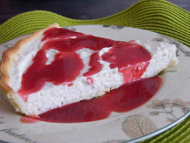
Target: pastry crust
(8, 58)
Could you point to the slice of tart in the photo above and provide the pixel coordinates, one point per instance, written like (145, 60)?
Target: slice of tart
(55, 67)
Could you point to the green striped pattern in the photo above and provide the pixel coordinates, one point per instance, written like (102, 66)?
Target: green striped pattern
(156, 15)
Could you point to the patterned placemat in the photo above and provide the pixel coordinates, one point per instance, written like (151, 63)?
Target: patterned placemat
(155, 15)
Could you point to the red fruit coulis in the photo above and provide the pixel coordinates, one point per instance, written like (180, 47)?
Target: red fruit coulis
(123, 99)
(67, 63)
(130, 58)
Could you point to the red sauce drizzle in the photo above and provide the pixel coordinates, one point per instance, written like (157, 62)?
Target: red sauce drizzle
(126, 53)
(67, 64)
(59, 33)
(95, 65)
(125, 98)
(66, 68)
(28, 120)
(126, 56)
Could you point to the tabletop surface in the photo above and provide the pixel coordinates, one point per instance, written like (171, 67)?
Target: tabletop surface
(76, 9)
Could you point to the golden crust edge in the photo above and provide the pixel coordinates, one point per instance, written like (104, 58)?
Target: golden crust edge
(7, 59)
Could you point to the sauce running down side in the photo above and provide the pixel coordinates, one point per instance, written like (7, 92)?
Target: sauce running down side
(123, 99)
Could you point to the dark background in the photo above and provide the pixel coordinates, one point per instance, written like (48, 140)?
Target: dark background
(76, 9)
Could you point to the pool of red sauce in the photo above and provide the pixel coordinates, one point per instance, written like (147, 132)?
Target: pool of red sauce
(123, 99)
(67, 65)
